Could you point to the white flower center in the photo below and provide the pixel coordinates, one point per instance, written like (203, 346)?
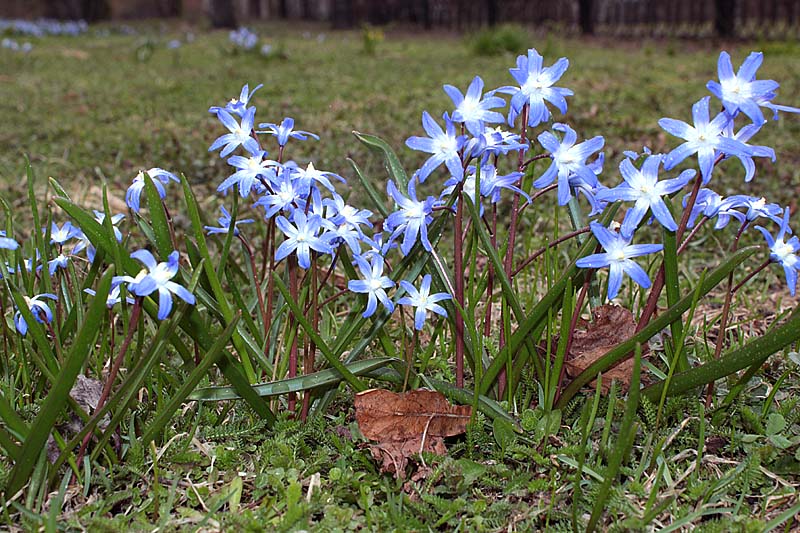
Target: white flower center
(782, 250)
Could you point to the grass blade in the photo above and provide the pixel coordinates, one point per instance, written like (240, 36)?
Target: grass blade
(158, 218)
(332, 359)
(616, 354)
(390, 159)
(627, 432)
(57, 397)
(329, 377)
(191, 382)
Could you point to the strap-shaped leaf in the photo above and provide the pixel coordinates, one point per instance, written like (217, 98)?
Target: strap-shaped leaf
(57, 397)
(754, 352)
(372, 192)
(332, 359)
(180, 396)
(390, 159)
(328, 377)
(158, 218)
(619, 352)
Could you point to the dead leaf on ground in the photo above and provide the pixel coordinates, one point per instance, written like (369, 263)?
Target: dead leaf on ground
(590, 341)
(86, 392)
(407, 424)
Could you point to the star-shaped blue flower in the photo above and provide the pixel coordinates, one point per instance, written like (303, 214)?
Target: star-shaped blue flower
(302, 236)
(239, 133)
(742, 92)
(374, 284)
(155, 277)
(412, 217)
(784, 252)
(443, 145)
(237, 106)
(246, 178)
(160, 178)
(617, 256)
(39, 309)
(642, 186)
(423, 300)
(225, 223)
(705, 139)
(568, 159)
(536, 88)
(472, 108)
(286, 131)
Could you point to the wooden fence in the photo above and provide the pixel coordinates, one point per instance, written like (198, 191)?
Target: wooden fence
(635, 18)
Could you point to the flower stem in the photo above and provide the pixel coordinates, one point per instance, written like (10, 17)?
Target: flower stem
(112, 374)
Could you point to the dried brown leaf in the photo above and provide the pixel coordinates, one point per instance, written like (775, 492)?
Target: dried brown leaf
(612, 325)
(384, 416)
(407, 424)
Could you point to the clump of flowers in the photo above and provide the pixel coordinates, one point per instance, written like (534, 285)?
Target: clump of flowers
(438, 255)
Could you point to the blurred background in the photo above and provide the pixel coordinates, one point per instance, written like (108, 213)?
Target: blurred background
(635, 18)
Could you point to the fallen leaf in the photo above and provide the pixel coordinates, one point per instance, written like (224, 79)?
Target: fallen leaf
(407, 424)
(86, 392)
(612, 325)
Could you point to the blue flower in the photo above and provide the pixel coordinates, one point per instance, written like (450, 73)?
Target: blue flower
(247, 177)
(7, 243)
(301, 237)
(617, 256)
(744, 135)
(239, 133)
(642, 186)
(784, 252)
(568, 159)
(225, 223)
(156, 277)
(423, 300)
(742, 91)
(347, 214)
(237, 106)
(60, 235)
(113, 297)
(374, 284)
(310, 175)
(412, 217)
(40, 310)
(536, 87)
(472, 108)
(710, 205)
(756, 208)
(490, 185)
(243, 38)
(497, 141)
(705, 138)
(60, 261)
(286, 131)
(287, 193)
(159, 176)
(443, 145)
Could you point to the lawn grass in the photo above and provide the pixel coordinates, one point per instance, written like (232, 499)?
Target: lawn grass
(86, 109)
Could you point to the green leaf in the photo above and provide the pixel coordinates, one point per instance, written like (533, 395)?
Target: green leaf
(775, 424)
(391, 161)
(197, 374)
(627, 432)
(324, 378)
(377, 200)
(57, 397)
(779, 441)
(675, 312)
(158, 218)
(754, 352)
(504, 433)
